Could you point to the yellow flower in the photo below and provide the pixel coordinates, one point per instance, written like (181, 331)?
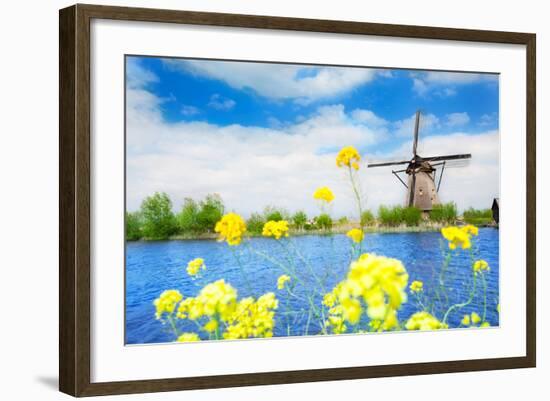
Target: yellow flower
(475, 318)
(348, 156)
(167, 302)
(424, 321)
(194, 266)
(253, 318)
(379, 282)
(376, 278)
(282, 280)
(217, 299)
(323, 194)
(498, 308)
(485, 324)
(190, 308)
(457, 237)
(465, 320)
(356, 235)
(329, 300)
(188, 337)
(335, 321)
(231, 229)
(480, 266)
(470, 229)
(416, 286)
(276, 229)
(351, 309)
(211, 326)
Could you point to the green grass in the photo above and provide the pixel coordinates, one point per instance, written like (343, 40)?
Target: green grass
(444, 213)
(367, 218)
(397, 215)
(478, 217)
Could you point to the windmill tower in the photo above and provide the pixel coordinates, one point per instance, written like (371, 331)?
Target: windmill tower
(422, 190)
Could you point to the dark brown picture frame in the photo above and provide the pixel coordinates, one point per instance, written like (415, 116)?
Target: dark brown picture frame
(74, 199)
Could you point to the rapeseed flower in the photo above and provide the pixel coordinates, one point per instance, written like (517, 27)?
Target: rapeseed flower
(459, 237)
(465, 320)
(379, 282)
(329, 299)
(416, 286)
(282, 280)
(335, 320)
(253, 318)
(188, 337)
(276, 229)
(351, 310)
(475, 318)
(323, 194)
(470, 229)
(218, 299)
(194, 266)
(231, 228)
(348, 156)
(356, 235)
(480, 266)
(424, 321)
(211, 326)
(166, 302)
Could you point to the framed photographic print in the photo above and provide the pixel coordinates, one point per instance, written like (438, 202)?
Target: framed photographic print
(237, 189)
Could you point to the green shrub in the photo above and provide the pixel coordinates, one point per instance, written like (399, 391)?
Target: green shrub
(444, 213)
(471, 212)
(367, 218)
(411, 216)
(343, 220)
(255, 223)
(397, 215)
(158, 220)
(323, 221)
(187, 217)
(211, 211)
(275, 214)
(390, 216)
(478, 216)
(299, 219)
(133, 226)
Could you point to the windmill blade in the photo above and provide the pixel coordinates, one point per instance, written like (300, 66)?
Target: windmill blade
(388, 163)
(447, 157)
(416, 124)
(412, 188)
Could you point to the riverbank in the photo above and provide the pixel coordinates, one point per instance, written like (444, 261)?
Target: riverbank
(338, 229)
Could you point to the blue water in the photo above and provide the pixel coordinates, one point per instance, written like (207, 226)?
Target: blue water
(152, 267)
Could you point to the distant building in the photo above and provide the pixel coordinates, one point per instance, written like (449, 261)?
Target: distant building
(495, 208)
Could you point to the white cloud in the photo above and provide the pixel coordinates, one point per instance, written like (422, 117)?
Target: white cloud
(443, 84)
(136, 76)
(251, 167)
(457, 119)
(369, 118)
(488, 119)
(188, 111)
(405, 127)
(281, 81)
(219, 102)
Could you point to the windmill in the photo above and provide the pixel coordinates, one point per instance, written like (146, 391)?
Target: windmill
(422, 190)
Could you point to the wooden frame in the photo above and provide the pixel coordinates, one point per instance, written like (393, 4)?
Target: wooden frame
(74, 199)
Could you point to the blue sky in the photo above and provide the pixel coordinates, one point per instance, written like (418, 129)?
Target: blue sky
(178, 107)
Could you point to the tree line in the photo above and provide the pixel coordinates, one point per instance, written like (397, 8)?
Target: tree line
(156, 220)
